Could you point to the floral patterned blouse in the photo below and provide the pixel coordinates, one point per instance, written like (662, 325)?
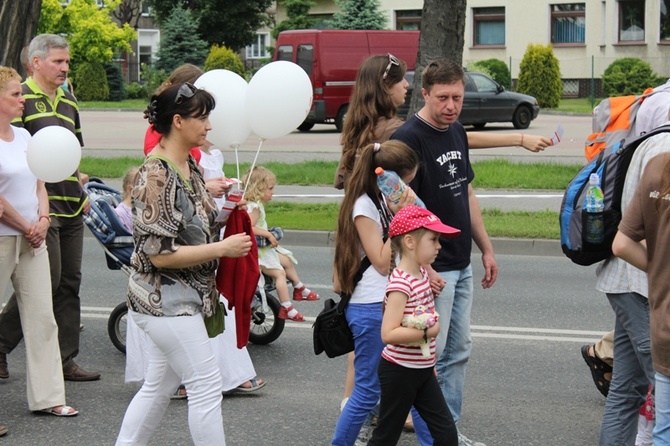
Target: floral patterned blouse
(170, 211)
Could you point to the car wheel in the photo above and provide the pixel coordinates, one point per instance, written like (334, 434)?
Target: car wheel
(522, 117)
(479, 125)
(306, 126)
(339, 119)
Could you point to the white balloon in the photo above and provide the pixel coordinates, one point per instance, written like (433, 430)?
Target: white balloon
(230, 126)
(278, 99)
(53, 154)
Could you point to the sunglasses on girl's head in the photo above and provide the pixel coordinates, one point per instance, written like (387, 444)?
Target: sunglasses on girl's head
(392, 61)
(185, 92)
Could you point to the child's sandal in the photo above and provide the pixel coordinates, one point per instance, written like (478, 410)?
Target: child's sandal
(283, 314)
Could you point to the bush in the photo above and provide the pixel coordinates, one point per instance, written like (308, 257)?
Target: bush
(628, 76)
(495, 68)
(152, 78)
(117, 88)
(224, 58)
(540, 75)
(136, 91)
(90, 82)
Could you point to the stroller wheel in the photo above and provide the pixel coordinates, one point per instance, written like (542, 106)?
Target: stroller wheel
(116, 326)
(265, 326)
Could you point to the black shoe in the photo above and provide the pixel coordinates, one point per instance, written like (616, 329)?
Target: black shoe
(76, 373)
(4, 371)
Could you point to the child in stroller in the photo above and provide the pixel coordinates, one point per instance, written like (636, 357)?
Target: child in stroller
(117, 243)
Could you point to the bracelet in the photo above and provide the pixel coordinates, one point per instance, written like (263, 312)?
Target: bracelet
(521, 140)
(425, 334)
(45, 216)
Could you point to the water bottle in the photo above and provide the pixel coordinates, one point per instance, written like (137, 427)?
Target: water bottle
(392, 186)
(595, 205)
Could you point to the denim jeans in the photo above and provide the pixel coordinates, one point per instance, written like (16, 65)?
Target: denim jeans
(633, 369)
(180, 353)
(365, 321)
(454, 342)
(662, 396)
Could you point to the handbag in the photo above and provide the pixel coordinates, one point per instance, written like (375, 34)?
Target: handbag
(331, 332)
(216, 323)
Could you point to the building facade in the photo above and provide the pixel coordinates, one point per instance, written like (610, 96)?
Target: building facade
(586, 35)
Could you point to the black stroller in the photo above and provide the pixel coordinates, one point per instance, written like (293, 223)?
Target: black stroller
(117, 243)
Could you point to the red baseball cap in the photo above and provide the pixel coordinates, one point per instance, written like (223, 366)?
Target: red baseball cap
(413, 217)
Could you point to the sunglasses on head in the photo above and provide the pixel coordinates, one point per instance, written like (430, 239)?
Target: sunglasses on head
(185, 92)
(392, 61)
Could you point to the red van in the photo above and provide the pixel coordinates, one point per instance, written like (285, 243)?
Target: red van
(331, 59)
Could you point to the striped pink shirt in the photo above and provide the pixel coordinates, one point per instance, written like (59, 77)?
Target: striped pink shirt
(419, 293)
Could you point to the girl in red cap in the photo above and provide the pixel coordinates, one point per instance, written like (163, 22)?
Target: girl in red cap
(406, 370)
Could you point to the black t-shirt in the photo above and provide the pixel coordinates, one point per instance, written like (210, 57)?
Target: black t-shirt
(442, 183)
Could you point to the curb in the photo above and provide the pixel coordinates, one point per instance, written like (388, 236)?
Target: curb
(502, 246)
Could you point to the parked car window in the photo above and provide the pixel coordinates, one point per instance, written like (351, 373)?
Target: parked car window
(484, 84)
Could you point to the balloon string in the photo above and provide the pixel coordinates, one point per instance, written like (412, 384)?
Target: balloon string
(237, 161)
(253, 164)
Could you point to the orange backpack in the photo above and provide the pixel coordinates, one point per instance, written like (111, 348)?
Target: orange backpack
(613, 121)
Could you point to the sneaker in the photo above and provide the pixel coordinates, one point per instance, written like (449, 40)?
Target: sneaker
(465, 441)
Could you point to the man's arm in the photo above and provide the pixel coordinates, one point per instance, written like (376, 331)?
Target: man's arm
(481, 238)
(533, 143)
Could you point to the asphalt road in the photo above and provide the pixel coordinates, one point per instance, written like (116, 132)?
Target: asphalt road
(527, 383)
(121, 133)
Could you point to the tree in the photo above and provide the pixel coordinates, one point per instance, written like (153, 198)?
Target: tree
(297, 12)
(232, 23)
(540, 75)
(358, 14)
(442, 36)
(89, 29)
(18, 19)
(180, 42)
(128, 11)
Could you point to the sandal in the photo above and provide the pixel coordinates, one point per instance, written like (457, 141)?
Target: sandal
(598, 369)
(180, 393)
(255, 384)
(65, 411)
(283, 314)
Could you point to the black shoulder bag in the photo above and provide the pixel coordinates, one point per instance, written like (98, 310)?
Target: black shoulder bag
(331, 332)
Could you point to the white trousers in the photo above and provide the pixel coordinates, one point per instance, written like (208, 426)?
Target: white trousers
(28, 270)
(180, 352)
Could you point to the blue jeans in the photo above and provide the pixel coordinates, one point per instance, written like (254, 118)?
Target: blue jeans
(365, 321)
(454, 342)
(662, 395)
(633, 369)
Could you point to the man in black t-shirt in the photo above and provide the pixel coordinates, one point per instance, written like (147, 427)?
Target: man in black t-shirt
(443, 183)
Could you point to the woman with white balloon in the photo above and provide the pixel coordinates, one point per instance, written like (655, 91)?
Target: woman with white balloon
(23, 254)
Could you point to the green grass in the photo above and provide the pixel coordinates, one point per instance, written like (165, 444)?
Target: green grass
(491, 174)
(323, 217)
(577, 105)
(129, 104)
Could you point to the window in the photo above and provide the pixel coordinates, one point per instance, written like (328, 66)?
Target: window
(489, 26)
(631, 20)
(568, 23)
(408, 20)
(146, 9)
(305, 58)
(665, 20)
(285, 52)
(258, 50)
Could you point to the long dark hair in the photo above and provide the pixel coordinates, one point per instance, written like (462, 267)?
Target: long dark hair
(370, 100)
(180, 99)
(392, 155)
